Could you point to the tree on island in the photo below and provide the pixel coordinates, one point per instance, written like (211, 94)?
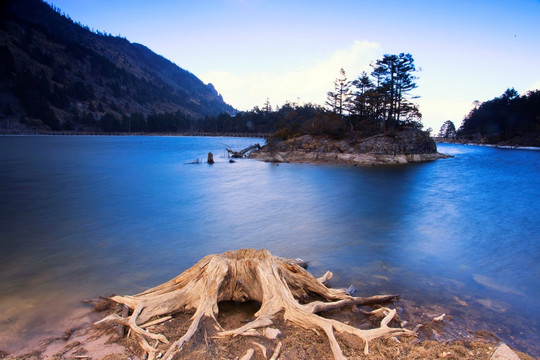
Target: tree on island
(338, 99)
(397, 82)
(384, 100)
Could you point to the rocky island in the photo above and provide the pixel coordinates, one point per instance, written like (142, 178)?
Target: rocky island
(401, 146)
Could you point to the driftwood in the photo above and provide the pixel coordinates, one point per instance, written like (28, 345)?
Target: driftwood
(242, 153)
(279, 285)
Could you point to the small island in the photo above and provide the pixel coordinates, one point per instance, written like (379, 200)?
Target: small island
(402, 146)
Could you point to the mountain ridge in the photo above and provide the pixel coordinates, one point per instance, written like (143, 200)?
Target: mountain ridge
(59, 75)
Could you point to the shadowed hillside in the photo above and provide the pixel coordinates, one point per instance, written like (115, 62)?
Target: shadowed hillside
(58, 75)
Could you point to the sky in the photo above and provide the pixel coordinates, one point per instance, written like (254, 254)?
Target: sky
(287, 50)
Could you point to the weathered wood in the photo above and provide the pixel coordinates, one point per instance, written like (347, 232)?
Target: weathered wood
(155, 322)
(279, 285)
(275, 355)
(262, 348)
(243, 152)
(248, 355)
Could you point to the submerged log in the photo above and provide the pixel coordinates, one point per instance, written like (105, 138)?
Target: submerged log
(279, 285)
(243, 152)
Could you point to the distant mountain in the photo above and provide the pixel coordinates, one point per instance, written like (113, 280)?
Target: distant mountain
(58, 75)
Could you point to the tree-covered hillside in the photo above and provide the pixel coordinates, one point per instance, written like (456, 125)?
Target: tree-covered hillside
(58, 75)
(508, 119)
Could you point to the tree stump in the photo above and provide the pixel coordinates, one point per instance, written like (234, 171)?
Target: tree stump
(279, 285)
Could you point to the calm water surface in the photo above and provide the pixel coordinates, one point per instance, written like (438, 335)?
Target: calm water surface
(82, 217)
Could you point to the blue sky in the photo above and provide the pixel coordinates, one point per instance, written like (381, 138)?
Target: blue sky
(252, 50)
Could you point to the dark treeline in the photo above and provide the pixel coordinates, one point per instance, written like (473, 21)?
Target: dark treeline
(290, 119)
(368, 105)
(509, 118)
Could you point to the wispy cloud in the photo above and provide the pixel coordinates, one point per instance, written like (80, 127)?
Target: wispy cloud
(306, 84)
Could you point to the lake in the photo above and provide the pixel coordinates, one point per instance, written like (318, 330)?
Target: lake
(88, 216)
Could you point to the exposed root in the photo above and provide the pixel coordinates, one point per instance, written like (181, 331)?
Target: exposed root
(325, 278)
(248, 355)
(279, 285)
(262, 348)
(133, 325)
(276, 352)
(262, 321)
(155, 322)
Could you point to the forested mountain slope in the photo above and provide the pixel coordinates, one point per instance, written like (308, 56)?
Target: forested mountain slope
(58, 75)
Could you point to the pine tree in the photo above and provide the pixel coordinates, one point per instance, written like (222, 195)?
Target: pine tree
(338, 99)
(395, 81)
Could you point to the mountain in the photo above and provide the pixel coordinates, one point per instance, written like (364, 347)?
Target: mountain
(58, 75)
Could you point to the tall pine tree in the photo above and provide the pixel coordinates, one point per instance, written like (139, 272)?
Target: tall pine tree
(394, 75)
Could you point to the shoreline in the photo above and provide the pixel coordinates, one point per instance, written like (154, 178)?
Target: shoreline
(498, 146)
(437, 336)
(172, 134)
(354, 159)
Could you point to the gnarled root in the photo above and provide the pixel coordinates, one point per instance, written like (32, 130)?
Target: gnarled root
(277, 284)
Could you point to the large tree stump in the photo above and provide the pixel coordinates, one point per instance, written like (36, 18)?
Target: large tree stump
(278, 284)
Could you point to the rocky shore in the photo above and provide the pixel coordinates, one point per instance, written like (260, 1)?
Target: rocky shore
(400, 147)
(217, 309)
(440, 338)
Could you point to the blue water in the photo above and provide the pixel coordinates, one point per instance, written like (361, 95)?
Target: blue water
(83, 216)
